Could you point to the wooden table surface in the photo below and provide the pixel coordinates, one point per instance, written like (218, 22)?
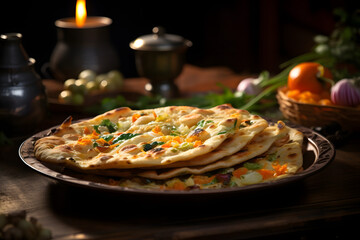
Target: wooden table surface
(325, 205)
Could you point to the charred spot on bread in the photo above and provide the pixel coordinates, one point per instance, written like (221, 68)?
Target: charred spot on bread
(129, 148)
(280, 125)
(120, 109)
(224, 106)
(105, 158)
(157, 151)
(292, 155)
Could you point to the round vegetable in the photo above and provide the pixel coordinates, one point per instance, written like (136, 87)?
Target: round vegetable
(91, 86)
(100, 77)
(116, 77)
(346, 93)
(309, 76)
(249, 86)
(88, 74)
(80, 86)
(70, 84)
(65, 97)
(108, 85)
(78, 99)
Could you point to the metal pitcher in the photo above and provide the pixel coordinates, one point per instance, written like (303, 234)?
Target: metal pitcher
(22, 95)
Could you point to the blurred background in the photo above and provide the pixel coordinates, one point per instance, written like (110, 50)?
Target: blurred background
(247, 36)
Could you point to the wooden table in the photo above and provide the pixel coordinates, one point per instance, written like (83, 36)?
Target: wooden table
(325, 205)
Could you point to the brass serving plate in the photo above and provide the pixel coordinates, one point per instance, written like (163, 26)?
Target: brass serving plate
(318, 152)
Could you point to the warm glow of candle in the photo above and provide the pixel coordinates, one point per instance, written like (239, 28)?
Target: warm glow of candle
(80, 13)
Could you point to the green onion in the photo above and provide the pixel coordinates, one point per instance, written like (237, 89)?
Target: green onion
(152, 145)
(107, 137)
(106, 123)
(252, 166)
(125, 136)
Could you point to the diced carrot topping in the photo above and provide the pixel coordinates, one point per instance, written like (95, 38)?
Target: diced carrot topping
(177, 139)
(266, 173)
(87, 130)
(114, 145)
(101, 141)
(94, 135)
(84, 141)
(167, 145)
(135, 117)
(199, 179)
(155, 116)
(192, 139)
(157, 129)
(239, 172)
(197, 143)
(280, 169)
(179, 186)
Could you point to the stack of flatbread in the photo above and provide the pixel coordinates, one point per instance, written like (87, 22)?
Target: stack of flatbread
(176, 147)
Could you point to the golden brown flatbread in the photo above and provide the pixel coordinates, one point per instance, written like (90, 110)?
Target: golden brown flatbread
(177, 147)
(125, 138)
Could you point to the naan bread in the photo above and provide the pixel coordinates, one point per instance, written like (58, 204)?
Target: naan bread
(260, 144)
(177, 147)
(283, 158)
(125, 138)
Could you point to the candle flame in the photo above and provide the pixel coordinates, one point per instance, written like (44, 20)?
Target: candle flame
(80, 13)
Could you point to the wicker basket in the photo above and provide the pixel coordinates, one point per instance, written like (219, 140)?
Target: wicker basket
(312, 115)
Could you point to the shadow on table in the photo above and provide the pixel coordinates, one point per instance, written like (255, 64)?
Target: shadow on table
(70, 201)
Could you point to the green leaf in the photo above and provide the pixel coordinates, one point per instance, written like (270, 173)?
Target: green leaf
(252, 166)
(108, 124)
(125, 136)
(272, 157)
(152, 145)
(107, 137)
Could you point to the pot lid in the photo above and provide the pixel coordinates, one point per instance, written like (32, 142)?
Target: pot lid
(159, 41)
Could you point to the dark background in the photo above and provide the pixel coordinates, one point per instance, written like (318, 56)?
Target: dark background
(247, 36)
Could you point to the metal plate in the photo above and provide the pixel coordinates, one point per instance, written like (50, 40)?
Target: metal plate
(318, 152)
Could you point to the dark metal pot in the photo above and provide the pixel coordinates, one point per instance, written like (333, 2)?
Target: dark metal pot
(83, 48)
(22, 95)
(160, 57)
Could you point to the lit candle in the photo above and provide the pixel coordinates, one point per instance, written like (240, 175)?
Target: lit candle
(81, 13)
(83, 43)
(81, 19)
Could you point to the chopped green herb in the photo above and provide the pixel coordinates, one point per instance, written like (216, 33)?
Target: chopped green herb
(272, 157)
(202, 123)
(246, 123)
(152, 145)
(223, 132)
(125, 136)
(107, 137)
(252, 166)
(173, 131)
(96, 127)
(215, 180)
(106, 123)
(185, 146)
